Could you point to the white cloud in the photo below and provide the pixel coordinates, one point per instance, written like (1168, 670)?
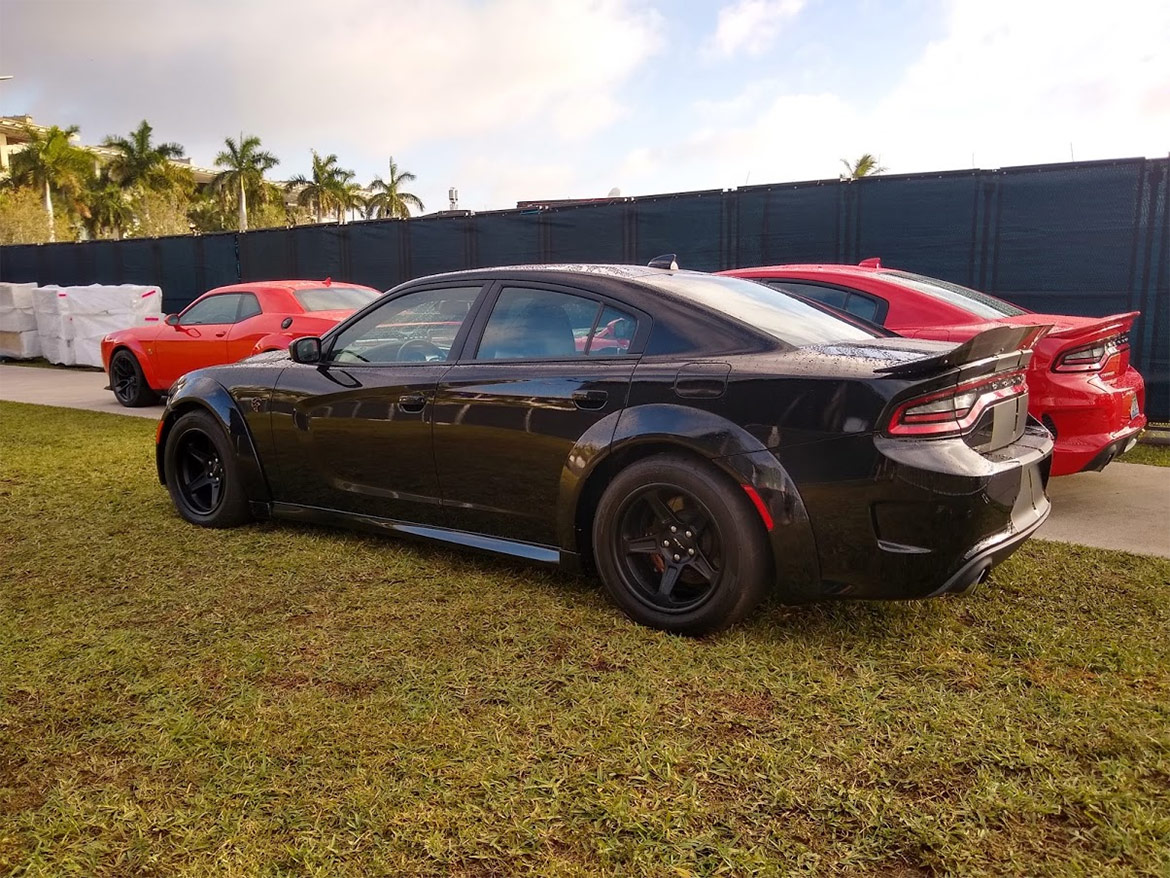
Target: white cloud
(1009, 83)
(362, 78)
(751, 25)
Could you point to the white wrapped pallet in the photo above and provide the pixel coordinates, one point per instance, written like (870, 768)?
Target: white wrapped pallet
(20, 345)
(97, 310)
(51, 306)
(17, 320)
(19, 296)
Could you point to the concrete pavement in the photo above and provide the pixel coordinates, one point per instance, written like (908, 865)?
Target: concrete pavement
(1126, 507)
(66, 388)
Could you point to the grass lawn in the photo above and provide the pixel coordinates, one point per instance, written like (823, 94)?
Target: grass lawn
(1144, 452)
(278, 700)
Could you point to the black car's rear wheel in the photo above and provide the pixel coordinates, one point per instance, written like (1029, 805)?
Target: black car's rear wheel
(128, 382)
(201, 472)
(678, 547)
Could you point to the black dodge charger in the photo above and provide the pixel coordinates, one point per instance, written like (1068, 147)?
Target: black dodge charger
(694, 439)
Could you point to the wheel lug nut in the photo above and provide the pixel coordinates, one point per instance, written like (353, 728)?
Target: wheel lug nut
(673, 529)
(676, 558)
(690, 551)
(689, 534)
(666, 542)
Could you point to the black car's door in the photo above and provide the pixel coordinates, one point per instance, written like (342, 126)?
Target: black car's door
(353, 433)
(547, 365)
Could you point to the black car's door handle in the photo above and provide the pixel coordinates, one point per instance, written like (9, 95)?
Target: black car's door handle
(412, 402)
(590, 399)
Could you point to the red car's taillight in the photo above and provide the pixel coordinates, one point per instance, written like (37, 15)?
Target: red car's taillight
(1091, 357)
(954, 411)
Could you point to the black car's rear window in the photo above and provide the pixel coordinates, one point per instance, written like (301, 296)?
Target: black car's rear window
(769, 310)
(976, 303)
(334, 298)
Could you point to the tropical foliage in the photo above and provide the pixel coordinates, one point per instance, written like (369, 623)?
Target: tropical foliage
(244, 165)
(142, 164)
(328, 189)
(51, 164)
(133, 185)
(865, 166)
(389, 200)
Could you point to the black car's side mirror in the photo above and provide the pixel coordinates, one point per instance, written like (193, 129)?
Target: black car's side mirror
(306, 350)
(172, 320)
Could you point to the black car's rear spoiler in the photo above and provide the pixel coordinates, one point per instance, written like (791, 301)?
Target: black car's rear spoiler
(989, 343)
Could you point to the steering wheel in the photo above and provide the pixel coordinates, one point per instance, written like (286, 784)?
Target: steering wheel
(429, 350)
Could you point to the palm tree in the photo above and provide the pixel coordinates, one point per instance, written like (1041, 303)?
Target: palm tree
(325, 191)
(140, 163)
(866, 166)
(244, 165)
(109, 211)
(50, 162)
(389, 200)
(350, 196)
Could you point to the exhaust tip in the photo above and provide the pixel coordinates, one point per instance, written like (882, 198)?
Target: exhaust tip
(977, 578)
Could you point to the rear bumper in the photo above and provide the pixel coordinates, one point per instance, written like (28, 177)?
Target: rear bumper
(933, 516)
(1090, 417)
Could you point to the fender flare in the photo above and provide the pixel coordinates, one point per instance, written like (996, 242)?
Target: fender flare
(274, 341)
(195, 391)
(145, 362)
(729, 447)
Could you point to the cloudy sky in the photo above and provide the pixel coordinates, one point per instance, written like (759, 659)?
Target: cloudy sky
(520, 99)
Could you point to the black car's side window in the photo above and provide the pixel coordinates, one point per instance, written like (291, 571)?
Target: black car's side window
(528, 324)
(212, 310)
(416, 327)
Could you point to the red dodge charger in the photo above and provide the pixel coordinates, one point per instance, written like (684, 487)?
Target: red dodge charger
(1082, 385)
(222, 326)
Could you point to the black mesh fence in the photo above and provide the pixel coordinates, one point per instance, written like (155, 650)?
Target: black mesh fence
(1088, 239)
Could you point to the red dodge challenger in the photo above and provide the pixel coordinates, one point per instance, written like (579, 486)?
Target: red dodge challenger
(1082, 386)
(222, 326)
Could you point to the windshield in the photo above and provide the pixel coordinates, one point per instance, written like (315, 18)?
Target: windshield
(762, 307)
(335, 298)
(971, 301)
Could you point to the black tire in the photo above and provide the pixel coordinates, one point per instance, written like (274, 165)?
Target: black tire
(717, 550)
(202, 474)
(128, 382)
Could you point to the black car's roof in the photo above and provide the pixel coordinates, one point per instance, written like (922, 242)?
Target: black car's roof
(618, 272)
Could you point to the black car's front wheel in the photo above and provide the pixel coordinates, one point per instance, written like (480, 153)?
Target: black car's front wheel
(678, 547)
(128, 382)
(202, 474)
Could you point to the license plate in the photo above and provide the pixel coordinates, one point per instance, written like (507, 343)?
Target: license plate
(1133, 407)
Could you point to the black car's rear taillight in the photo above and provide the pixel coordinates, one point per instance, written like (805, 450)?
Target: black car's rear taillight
(954, 411)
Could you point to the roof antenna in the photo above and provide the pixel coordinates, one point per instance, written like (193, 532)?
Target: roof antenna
(666, 260)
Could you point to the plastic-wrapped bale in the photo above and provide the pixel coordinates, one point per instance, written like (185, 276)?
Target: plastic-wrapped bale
(51, 306)
(20, 345)
(18, 322)
(97, 310)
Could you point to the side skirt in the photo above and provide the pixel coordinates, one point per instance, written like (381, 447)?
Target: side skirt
(463, 539)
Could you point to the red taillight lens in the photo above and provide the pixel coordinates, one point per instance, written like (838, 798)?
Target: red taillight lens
(954, 411)
(1091, 357)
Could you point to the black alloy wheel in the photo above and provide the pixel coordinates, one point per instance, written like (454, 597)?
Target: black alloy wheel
(128, 382)
(202, 474)
(668, 548)
(679, 546)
